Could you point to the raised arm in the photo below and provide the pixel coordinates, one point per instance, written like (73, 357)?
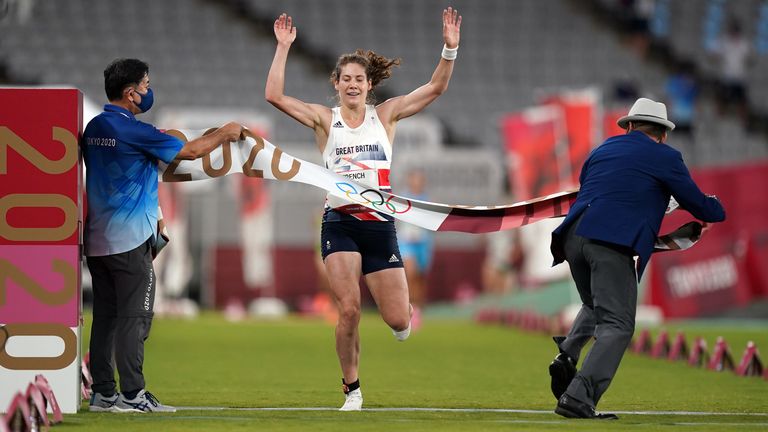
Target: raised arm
(304, 113)
(405, 106)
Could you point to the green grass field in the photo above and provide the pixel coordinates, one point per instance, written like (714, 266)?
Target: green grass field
(291, 363)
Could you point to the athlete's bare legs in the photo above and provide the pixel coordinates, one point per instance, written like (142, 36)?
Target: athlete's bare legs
(344, 279)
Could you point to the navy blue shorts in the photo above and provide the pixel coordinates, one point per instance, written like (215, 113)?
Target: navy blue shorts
(375, 241)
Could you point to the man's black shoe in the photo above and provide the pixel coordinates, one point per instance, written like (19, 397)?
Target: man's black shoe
(562, 370)
(571, 408)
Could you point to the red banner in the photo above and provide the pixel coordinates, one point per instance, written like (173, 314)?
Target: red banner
(610, 128)
(705, 279)
(547, 144)
(531, 139)
(580, 112)
(757, 258)
(728, 267)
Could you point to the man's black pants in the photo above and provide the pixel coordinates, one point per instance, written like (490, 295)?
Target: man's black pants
(123, 299)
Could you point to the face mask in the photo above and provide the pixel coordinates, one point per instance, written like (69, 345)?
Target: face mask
(146, 101)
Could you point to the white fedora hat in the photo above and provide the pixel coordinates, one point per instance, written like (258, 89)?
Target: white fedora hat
(649, 111)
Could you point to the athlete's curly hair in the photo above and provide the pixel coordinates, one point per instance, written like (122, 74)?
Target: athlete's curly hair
(377, 67)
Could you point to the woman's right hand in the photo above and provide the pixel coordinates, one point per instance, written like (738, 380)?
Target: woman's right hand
(285, 32)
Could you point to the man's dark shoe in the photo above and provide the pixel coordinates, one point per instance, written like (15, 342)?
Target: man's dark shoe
(571, 408)
(562, 370)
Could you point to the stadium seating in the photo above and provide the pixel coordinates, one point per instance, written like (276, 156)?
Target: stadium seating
(202, 53)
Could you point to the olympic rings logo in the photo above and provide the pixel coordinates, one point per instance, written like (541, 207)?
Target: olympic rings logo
(371, 197)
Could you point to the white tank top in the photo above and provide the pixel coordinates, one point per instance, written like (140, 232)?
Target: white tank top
(362, 154)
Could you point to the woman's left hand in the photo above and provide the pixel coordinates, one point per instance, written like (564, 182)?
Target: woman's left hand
(451, 27)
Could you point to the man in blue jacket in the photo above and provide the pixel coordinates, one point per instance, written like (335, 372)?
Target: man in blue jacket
(626, 184)
(121, 156)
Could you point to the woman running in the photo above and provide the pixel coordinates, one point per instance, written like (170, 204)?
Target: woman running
(355, 139)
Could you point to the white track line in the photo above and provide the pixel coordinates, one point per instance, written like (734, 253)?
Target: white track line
(403, 420)
(466, 410)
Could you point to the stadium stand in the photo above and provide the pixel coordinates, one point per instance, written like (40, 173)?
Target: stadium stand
(683, 31)
(218, 53)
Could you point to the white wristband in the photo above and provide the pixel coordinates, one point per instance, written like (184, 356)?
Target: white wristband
(450, 53)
